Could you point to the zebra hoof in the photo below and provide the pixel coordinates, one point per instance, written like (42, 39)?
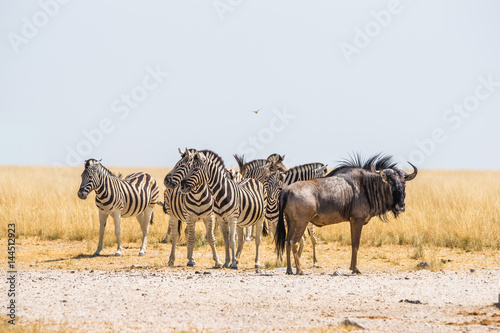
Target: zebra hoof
(118, 254)
(218, 265)
(258, 266)
(142, 254)
(316, 266)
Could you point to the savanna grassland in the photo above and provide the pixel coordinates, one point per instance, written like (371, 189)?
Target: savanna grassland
(452, 220)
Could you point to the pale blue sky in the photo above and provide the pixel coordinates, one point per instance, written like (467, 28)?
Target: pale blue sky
(419, 80)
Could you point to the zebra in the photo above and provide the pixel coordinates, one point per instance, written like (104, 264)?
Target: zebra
(134, 195)
(276, 182)
(190, 208)
(260, 169)
(239, 204)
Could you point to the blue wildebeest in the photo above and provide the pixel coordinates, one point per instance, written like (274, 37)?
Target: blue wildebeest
(353, 192)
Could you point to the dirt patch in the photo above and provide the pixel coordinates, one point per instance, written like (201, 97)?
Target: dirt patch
(236, 301)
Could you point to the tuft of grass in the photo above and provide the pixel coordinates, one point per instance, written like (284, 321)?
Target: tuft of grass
(418, 253)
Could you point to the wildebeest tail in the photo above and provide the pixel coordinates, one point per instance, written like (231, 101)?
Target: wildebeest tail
(152, 215)
(280, 236)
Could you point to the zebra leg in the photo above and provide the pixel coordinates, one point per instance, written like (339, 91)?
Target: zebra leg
(241, 242)
(117, 218)
(258, 232)
(224, 227)
(272, 227)
(209, 225)
(314, 241)
(144, 221)
(232, 234)
(102, 224)
(190, 243)
(169, 233)
(173, 226)
(248, 234)
(301, 245)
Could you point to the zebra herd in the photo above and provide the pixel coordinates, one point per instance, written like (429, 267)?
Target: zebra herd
(201, 187)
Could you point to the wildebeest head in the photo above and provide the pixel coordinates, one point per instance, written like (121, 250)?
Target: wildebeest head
(174, 177)
(396, 179)
(90, 178)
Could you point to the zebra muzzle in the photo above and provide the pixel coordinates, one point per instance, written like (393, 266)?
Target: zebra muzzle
(82, 195)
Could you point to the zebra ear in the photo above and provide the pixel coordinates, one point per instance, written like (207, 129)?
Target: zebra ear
(282, 158)
(99, 161)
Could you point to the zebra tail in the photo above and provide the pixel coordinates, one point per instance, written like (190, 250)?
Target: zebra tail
(265, 229)
(280, 236)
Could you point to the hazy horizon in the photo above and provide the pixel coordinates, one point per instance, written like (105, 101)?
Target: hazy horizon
(132, 82)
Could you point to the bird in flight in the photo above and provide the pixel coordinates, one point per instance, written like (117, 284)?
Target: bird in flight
(257, 111)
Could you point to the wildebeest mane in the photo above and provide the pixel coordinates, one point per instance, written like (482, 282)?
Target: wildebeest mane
(357, 161)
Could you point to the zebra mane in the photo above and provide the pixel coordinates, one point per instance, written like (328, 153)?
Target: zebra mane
(91, 162)
(214, 157)
(357, 161)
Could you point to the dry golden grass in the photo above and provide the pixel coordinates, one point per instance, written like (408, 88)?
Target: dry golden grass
(445, 209)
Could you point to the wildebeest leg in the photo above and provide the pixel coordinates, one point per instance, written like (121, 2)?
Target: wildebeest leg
(190, 243)
(258, 232)
(356, 227)
(232, 241)
(224, 227)
(298, 234)
(314, 241)
(173, 226)
(209, 225)
(288, 259)
(102, 225)
(145, 219)
(241, 242)
(117, 219)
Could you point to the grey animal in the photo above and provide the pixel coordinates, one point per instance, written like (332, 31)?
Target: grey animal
(354, 192)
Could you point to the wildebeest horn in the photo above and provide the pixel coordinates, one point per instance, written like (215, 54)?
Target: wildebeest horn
(180, 151)
(411, 176)
(373, 168)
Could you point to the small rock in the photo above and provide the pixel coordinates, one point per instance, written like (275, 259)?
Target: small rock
(189, 277)
(72, 272)
(472, 270)
(207, 273)
(410, 301)
(338, 272)
(424, 264)
(242, 281)
(349, 323)
(197, 272)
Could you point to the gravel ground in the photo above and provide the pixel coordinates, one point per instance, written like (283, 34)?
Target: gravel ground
(235, 301)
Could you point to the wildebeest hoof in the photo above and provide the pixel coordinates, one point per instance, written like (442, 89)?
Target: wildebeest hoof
(233, 266)
(289, 273)
(118, 254)
(171, 263)
(356, 271)
(191, 264)
(300, 273)
(142, 254)
(96, 254)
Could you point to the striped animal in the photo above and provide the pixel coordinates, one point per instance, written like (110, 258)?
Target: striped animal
(188, 207)
(135, 195)
(239, 204)
(276, 182)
